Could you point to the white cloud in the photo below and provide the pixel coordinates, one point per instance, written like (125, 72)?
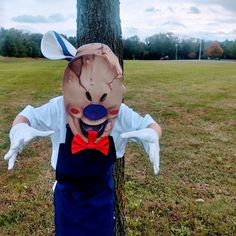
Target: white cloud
(227, 4)
(174, 24)
(151, 9)
(55, 18)
(30, 19)
(194, 10)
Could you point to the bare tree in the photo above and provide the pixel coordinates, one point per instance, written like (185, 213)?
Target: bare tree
(99, 21)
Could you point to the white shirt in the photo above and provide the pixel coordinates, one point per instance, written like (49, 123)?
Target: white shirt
(52, 116)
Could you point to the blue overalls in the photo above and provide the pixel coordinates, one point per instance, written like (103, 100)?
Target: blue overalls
(84, 194)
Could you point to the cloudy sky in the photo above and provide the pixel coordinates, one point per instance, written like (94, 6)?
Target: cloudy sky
(207, 19)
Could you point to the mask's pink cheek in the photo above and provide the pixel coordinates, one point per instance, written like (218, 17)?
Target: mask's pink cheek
(114, 112)
(75, 112)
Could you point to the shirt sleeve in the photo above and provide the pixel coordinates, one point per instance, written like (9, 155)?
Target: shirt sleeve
(45, 117)
(130, 120)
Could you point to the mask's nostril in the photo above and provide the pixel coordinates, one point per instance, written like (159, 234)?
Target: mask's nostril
(95, 111)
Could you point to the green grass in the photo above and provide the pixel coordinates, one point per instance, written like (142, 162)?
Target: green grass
(195, 191)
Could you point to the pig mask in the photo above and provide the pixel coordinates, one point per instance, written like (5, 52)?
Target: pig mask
(92, 87)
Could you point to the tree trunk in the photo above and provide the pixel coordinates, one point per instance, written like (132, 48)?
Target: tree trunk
(99, 21)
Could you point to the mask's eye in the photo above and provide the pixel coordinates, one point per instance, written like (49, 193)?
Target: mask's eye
(88, 96)
(103, 97)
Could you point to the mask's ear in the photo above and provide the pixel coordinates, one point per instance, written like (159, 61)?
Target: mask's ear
(55, 47)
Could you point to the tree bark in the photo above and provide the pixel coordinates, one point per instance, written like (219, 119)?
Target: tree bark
(99, 21)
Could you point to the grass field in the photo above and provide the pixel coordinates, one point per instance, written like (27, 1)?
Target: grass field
(195, 191)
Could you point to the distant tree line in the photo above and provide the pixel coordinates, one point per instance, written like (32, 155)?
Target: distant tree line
(18, 43)
(169, 46)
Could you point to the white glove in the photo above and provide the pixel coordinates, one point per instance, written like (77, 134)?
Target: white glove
(150, 141)
(20, 135)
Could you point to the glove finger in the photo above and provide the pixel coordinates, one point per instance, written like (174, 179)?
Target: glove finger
(151, 153)
(154, 148)
(154, 157)
(10, 154)
(14, 149)
(121, 143)
(146, 135)
(11, 161)
(16, 145)
(36, 133)
(43, 133)
(156, 165)
(131, 134)
(156, 169)
(126, 135)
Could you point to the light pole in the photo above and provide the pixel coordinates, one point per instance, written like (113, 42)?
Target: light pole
(176, 51)
(200, 49)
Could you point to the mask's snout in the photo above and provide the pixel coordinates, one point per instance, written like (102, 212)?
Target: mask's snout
(95, 112)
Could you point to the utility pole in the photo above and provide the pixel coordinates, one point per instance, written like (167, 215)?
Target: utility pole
(176, 51)
(200, 49)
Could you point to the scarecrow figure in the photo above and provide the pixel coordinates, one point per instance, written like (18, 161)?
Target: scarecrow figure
(89, 128)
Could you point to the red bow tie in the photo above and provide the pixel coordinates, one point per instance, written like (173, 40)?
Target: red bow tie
(78, 144)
